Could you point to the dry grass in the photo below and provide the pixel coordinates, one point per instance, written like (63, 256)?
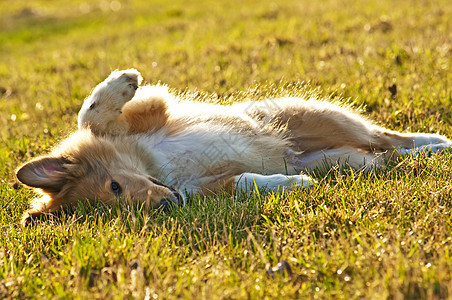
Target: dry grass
(384, 235)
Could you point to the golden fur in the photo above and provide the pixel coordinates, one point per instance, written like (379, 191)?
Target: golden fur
(145, 145)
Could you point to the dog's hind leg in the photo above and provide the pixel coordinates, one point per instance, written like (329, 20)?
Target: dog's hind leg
(101, 111)
(148, 110)
(317, 125)
(341, 157)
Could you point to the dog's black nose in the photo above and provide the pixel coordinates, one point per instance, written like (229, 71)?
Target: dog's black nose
(167, 204)
(178, 196)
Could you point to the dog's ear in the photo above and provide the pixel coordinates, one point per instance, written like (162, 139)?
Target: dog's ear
(47, 173)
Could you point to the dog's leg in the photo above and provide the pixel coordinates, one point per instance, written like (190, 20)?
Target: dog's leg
(148, 110)
(342, 157)
(102, 109)
(316, 125)
(249, 181)
(396, 143)
(429, 147)
(39, 207)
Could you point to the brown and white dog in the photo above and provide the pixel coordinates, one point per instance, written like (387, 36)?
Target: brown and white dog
(143, 144)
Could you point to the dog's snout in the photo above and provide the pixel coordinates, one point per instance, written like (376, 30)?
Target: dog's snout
(178, 196)
(179, 199)
(167, 204)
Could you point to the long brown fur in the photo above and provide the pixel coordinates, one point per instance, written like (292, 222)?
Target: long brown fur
(143, 144)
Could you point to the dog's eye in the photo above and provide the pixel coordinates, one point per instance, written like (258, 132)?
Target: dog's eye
(116, 188)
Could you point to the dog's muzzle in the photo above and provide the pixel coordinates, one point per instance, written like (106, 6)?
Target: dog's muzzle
(168, 202)
(180, 199)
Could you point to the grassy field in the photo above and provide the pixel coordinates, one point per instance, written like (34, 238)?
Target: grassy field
(378, 236)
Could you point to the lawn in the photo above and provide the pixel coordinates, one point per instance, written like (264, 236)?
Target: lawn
(386, 234)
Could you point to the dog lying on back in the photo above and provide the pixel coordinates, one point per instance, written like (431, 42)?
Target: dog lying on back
(143, 144)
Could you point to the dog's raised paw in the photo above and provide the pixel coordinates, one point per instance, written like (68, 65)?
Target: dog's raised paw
(124, 83)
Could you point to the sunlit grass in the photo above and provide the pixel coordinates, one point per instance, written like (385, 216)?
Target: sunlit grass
(379, 235)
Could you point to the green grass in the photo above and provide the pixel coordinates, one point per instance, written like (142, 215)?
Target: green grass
(378, 236)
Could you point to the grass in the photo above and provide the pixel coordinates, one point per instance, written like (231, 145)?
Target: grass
(380, 235)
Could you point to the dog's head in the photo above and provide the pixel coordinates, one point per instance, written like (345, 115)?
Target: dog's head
(87, 167)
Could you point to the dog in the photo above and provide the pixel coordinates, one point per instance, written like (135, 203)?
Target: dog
(140, 143)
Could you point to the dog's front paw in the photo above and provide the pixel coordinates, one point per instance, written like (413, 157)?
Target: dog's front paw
(30, 217)
(276, 182)
(111, 94)
(304, 181)
(123, 84)
(102, 108)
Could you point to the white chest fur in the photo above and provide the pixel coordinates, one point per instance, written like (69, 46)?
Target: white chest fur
(201, 152)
